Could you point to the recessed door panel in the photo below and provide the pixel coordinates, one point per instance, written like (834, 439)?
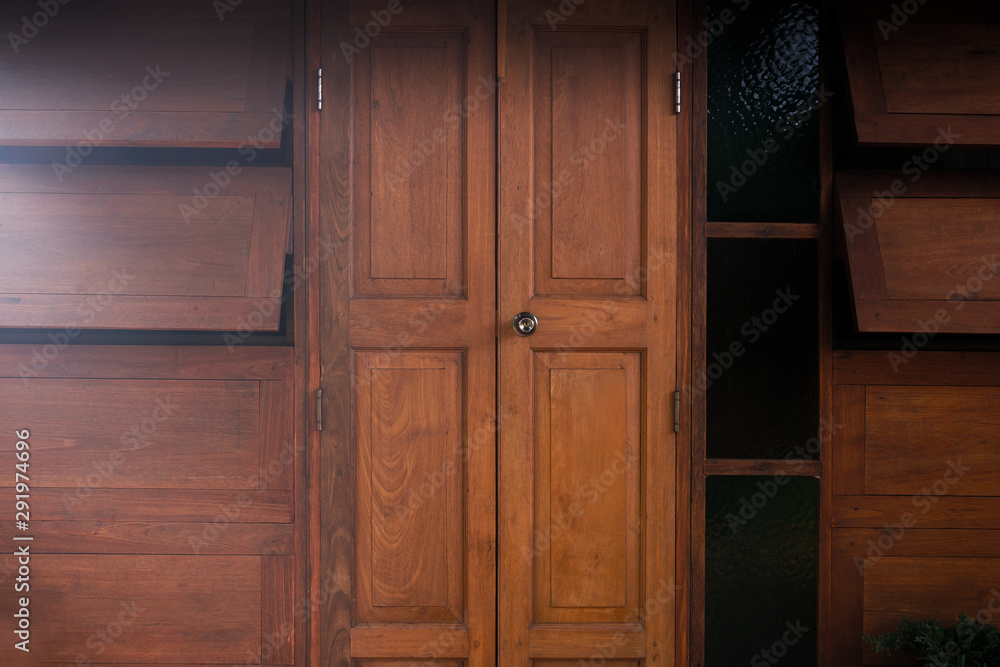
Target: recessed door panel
(587, 492)
(586, 136)
(410, 479)
(409, 161)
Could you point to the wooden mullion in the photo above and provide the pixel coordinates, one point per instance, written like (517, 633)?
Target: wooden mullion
(793, 468)
(764, 230)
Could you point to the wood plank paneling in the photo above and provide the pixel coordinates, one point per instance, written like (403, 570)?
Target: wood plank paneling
(137, 434)
(939, 69)
(141, 248)
(932, 440)
(908, 83)
(965, 238)
(147, 489)
(139, 80)
(126, 608)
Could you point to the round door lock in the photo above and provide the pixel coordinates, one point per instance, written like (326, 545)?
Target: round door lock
(525, 324)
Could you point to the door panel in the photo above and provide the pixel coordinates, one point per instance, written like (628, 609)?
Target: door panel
(588, 231)
(409, 487)
(588, 162)
(409, 228)
(587, 421)
(407, 198)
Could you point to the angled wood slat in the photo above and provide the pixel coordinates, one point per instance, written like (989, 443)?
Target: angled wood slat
(206, 77)
(115, 247)
(916, 74)
(889, 220)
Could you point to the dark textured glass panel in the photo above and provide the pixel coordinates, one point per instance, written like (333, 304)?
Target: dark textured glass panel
(761, 381)
(763, 132)
(761, 544)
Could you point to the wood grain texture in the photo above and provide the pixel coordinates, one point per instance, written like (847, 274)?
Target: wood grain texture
(145, 605)
(939, 438)
(409, 294)
(939, 69)
(897, 285)
(587, 498)
(908, 84)
(140, 80)
(148, 254)
(587, 158)
(137, 433)
(915, 507)
(146, 487)
(525, 634)
(410, 473)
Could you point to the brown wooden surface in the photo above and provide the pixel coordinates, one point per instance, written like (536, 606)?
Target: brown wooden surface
(406, 187)
(763, 230)
(218, 83)
(915, 510)
(897, 285)
(182, 609)
(910, 79)
(114, 248)
(147, 485)
(604, 358)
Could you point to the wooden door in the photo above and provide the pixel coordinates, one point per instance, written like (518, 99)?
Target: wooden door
(588, 228)
(407, 207)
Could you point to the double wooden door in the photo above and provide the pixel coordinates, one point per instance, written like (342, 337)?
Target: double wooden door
(489, 498)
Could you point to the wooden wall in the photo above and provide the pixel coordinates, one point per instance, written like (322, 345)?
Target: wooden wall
(916, 494)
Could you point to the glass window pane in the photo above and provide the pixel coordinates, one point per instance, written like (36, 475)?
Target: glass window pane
(761, 379)
(763, 131)
(760, 571)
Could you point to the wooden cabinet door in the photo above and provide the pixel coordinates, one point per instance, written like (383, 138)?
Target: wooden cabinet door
(588, 226)
(407, 222)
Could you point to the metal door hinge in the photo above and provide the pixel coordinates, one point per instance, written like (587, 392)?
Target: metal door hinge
(677, 412)
(319, 89)
(319, 409)
(677, 91)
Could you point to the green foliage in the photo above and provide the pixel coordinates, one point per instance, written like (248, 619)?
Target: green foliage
(968, 643)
